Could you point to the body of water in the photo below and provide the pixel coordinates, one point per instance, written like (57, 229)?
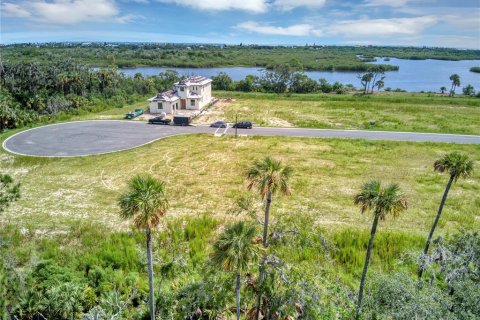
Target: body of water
(414, 75)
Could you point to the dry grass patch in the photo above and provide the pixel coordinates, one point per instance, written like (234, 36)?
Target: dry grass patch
(204, 175)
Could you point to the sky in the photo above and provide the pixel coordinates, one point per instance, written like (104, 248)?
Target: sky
(437, 23)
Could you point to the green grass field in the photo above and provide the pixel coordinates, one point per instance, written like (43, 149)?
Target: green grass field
(204, 175)
(390, 112)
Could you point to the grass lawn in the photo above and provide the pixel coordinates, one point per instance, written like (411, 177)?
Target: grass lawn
(204, 175)
(385, 111)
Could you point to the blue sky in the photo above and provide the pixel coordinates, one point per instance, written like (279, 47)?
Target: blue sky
(442, 23)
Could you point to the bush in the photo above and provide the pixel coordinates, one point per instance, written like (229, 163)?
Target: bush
(395, 296)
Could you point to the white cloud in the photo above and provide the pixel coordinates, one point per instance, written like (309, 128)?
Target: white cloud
(347, 28)
(286, 5)
(383, 27)
(64, 12)
(383, 3)
(293, 30)
(255, 6)
(13, 10)
(73, 11)
(129, 18)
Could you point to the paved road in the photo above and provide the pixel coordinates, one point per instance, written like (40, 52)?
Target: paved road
(103, 136)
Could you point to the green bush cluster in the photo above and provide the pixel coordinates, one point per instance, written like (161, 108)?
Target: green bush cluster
(90, 271)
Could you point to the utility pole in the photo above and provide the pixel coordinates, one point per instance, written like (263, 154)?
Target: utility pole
(236, 121)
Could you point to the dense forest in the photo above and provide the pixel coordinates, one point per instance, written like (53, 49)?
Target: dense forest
(33, 92)
(312, 57)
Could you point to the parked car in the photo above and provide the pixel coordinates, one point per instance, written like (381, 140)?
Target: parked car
(182, 120)
(219, 124)
(159, 120)
(134, 114)
(243, 125)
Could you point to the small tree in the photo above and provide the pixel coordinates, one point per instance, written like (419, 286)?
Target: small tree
(146, 203)
(380, 84)
(9, 191)
(222, 81)
(383, 202)
(442, 90)
(234, 251)
(365, 80)
(458, 166)
(469, 90)
(455, 78)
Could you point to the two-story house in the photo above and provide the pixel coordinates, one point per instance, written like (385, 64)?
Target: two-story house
(191, 93)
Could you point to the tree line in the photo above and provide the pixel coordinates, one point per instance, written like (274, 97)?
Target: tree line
(32, 92)
(281, 79)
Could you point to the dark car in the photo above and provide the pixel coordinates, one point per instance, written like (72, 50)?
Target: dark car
(159, 120)
(219, 124)
(243, 125)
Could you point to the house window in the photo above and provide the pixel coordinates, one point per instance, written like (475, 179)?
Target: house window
(160, 106)
(182, 89)
(192, 103)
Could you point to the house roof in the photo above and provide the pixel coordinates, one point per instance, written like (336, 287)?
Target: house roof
(169, 95)
(194, 80)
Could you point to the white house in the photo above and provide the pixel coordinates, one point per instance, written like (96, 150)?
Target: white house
(192, 93)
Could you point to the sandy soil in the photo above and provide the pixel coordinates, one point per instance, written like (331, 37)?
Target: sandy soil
(215, 113)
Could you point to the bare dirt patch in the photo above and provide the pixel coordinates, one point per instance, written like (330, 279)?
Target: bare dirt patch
(215, 113)
(277, 122)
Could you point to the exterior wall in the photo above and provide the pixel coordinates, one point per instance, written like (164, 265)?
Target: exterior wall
(182, 94)
(196, 106)
(167, 107)
(206, 95)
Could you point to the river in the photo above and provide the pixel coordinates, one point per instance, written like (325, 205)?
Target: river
(413, 75)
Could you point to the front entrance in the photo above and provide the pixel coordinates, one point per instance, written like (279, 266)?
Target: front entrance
(183, 104)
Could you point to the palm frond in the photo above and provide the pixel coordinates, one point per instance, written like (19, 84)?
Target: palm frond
(383, 201)
(456, 164)
(269, 175)
(145, 202)
(235, 248)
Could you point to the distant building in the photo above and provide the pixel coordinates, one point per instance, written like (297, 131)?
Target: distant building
(192, 93)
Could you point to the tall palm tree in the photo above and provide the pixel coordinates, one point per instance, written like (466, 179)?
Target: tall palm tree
(458, 166)
(234, 251)
(383, 202)
(455, 78)
(145, 202)
(268, 176)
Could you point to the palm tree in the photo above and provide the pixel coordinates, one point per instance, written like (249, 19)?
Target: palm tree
(234, 251)
(268, 176)
(442, 90)
(455, 78)
(145, 202)
(458, 166)
(383, 201)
